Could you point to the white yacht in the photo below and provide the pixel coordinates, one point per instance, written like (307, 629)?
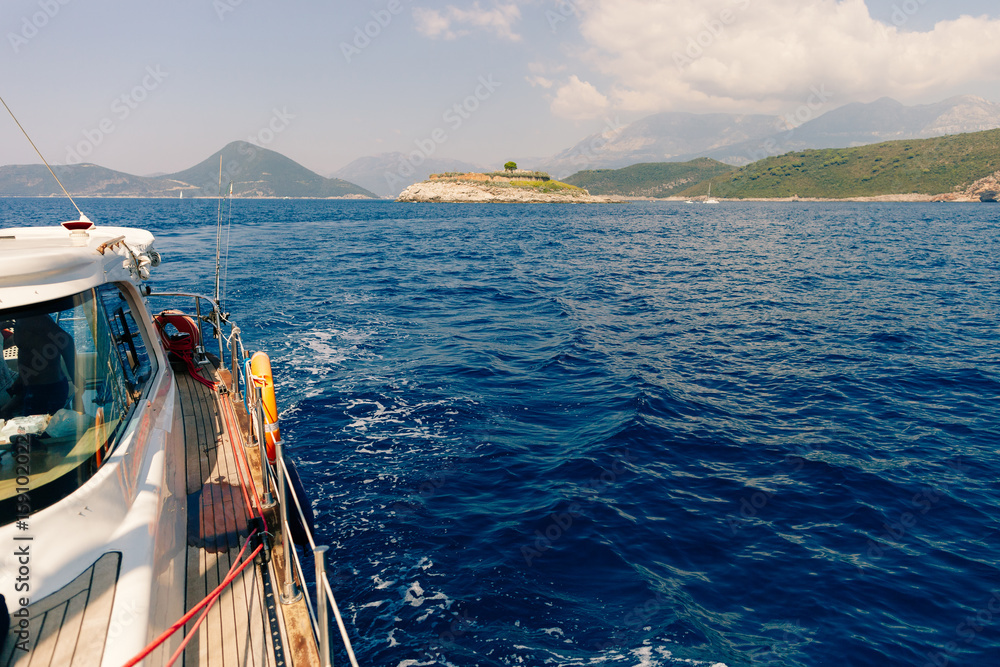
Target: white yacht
(143, 489)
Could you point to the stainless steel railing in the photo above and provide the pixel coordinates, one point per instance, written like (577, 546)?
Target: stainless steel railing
(277, 480)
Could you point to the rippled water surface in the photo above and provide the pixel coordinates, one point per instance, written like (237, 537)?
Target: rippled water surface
(638, 434)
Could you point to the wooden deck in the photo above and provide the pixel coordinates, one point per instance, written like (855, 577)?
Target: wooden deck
(72, 625)
(236, 630)
(69, 627)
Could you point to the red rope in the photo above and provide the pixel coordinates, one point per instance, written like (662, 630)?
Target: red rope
(206, 604)
(208, 607)
(180, 623)
(233, 434)
(211, 598)
(193, 370)
(240, 455)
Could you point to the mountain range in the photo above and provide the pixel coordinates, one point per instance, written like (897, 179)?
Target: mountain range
(734, 139)
(252, 170)
(388, 174)
(740, 139)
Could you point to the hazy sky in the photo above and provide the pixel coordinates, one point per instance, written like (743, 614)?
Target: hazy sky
(149, 87)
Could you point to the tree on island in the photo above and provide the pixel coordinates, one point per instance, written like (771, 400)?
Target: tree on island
(510, 166)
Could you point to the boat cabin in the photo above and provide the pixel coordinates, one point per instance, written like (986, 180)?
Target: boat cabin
(135, 484)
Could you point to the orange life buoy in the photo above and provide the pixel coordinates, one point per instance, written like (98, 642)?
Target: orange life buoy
(260, 367)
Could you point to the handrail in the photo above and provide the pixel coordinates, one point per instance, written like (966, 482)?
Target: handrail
(216, 319)
(327, 600)
(276, 479)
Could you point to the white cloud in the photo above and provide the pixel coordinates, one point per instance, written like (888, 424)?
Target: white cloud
(538, 80)
(453, 22)
(431, 23)
(578, 100)
(703, 54)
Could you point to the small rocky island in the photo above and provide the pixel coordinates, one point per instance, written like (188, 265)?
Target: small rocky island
(509, 186)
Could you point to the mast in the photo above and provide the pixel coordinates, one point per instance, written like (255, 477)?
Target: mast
(218, 234)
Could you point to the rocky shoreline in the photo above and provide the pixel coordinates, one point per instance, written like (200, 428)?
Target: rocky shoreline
(914, 197)
(489, 188)
(440, 191)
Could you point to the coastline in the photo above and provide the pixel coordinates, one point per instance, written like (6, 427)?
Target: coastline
(560, 198)
(912, 197)
(466, 189)
(211, 198)
(473, 192)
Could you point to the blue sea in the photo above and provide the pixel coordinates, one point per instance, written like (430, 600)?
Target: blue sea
(637, 434)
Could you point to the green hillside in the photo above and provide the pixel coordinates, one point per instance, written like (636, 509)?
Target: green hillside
(923, 166)
(652, 179)
(254, 172)
(260, 172)
(34, 180)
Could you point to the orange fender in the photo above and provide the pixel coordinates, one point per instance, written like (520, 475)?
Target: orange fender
(260, 367)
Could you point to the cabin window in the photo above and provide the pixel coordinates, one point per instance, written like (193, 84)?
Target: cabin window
(137, 366)
(72, 372)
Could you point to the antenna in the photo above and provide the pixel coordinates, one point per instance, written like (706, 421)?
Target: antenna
(220, 287)
(229, 227)
(83, 218)
(218, 234)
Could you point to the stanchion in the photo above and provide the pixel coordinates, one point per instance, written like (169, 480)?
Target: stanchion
(289, 591)
(319, 556)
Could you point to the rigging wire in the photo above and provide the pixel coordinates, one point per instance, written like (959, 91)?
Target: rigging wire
(229, 228)
(83, 218)
(218, 233)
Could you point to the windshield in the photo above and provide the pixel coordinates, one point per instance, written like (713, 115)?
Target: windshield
(72, 370)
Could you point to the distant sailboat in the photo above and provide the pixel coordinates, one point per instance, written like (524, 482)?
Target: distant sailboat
(180, 195)
(710, 200)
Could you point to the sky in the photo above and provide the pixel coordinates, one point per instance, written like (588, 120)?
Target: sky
(156, 87)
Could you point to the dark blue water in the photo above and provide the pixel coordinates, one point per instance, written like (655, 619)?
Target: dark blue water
(640, 434)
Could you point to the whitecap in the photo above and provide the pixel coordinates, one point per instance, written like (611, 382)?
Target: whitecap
(415, 594)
